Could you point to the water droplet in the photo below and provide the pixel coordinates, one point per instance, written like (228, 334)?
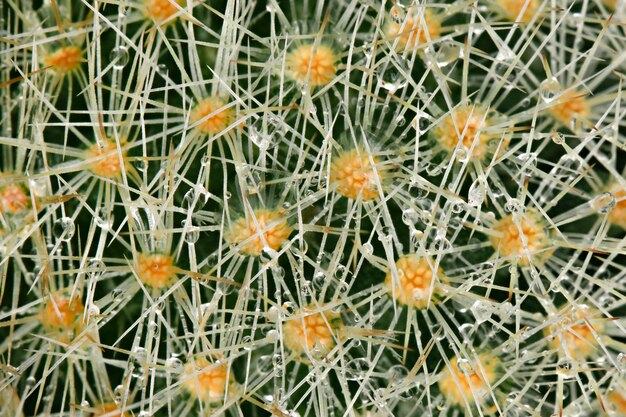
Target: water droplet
(190, 202)
(568, 166)
(356, 369)
(93, 310)
(528, 162)
(247, 341)
(340, 272)
(505, 55)
(142, 165)
(288, 307)
(268, 254)
(557, 137)
(476, 193)
(119, 56)
(278, 272)
(226, 287)
(506, 311)
(277, 359)
(273, 336)
(174, 364)
(462, 154)
(139, 355)
(95, 267)
(397, 374)
(368, 248)
(104, 224)
(273, 313)
(267, 131)
(621, 361)
(421, 122)
(458, 206)
(549, 89)
(118, 394)
(441, 243)
(386, 234)
(64, 229)
(464, 366)
(514, 206)
(448, 53)
(392, 77)
(192, 234)
(410, 217)
(466, 330)
(603, 203)
(162, 70)
(306, 288)
(482, 311)
(319, 280)
(565, 368)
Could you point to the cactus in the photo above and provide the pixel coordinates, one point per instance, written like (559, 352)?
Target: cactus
(312, 208)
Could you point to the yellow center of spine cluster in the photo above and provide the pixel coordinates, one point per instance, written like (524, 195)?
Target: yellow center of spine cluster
(415, 30)
(616, 403)
(155, 270)
(64, 59)
(14, 198)
(262, 228)
(61, 313)
(161, 10)
(466, 381)
(574, 333)
(105, 160)
(533, 240)
(206, 380)
(312, 63)
(62, 316)
(467, 124)
(311, 329)
(354, 174)
(513, 8)
(209, 116)
(416, 283)
(570, 107)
